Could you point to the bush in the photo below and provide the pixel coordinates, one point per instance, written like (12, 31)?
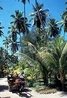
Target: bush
(30, 83)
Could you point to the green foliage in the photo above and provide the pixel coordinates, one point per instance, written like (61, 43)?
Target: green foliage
(39, 15)
(54, 29)
(64, 58)
(64, 17)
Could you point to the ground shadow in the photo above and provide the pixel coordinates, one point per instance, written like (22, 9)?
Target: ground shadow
(27, 90)
(26, 93)
(63, 94)
(3, 87)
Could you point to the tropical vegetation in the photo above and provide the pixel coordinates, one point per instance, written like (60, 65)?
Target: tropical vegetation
(38, 49)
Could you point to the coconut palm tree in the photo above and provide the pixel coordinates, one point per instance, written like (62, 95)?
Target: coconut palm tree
(52, 58)
(39, 15)
(59, 52)
(12, 33)
(24, 2)
(54, 29)
(12, 39)
(6, 42)
(64, 18)
(19, 22)
(18, 27)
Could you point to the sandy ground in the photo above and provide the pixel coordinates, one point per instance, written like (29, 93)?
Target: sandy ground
(27, 94)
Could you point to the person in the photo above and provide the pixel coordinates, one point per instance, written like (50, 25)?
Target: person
(16, 75)
(22, 77)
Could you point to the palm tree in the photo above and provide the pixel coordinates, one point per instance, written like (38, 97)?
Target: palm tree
(14, 34)
(40, 57)
(24, 2)
(39, 15)
(59, 52)
(19, 22)
(54, 29)
(18, 27)
(52, 58)
(12, 39)
(6, 42)
(64, 18)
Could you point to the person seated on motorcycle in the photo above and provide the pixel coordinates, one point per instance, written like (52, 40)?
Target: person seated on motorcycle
(16, 82)
(22, 77)
(16, 78)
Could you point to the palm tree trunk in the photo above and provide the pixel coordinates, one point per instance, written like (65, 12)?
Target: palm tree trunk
(45, 78)
(24, 19)
(62, 77)
(44, 73)
(21, 50)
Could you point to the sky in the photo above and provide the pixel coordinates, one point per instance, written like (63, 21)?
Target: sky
(56, 8)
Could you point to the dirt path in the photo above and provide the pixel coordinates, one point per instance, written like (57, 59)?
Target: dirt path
(27, 94)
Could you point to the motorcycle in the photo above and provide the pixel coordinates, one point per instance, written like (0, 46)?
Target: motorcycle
(16, 83)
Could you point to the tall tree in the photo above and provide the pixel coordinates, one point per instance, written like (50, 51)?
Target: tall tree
(19, 22)
(64, 18)
(12, 39)
(6, 42)
(39, 15)
(59, 52)
(24, 2)
(54, 29)
(18, 27)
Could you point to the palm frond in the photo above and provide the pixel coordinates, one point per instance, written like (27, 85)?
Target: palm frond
(23, 1)
(1, 33)
(64, 58)
(1, 8)
(20, 14)
(12, 22)
(29, 60)
(32, 48)
(13, 16)
(59, 41)
(64, 14)
(16, 12)
(29, 1)
(47, 59)
(64, 50)
(65, 2)
(31, 19)
(1, 27)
